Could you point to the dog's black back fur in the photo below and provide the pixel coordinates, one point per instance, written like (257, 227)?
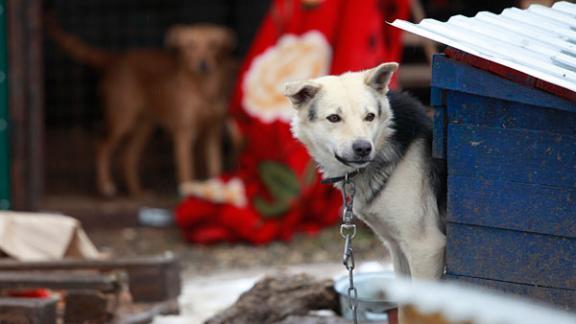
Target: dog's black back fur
(411, 123)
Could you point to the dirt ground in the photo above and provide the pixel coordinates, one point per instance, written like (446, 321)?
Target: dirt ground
(323, 247)
(213, 277)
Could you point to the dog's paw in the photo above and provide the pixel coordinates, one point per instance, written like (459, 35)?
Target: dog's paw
(108, 190)
(217, 191)
(189, 188)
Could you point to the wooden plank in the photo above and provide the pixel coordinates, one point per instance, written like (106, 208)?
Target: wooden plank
(464, 108)
(511, 256)
(438, 100)
(151, 279)
(28, 310)
(453, 75)
(60, 281)
(512, 154)
(439, 138)
(564, 298)
(438, 97)
(80, 264)
(512, 205)
(509, 73)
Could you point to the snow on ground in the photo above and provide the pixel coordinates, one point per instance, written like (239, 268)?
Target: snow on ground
(203, 297)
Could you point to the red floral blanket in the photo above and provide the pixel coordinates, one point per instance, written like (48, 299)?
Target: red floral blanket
(275, 191)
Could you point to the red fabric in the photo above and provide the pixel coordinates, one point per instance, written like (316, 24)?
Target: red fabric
(359, 39)
(31, 293)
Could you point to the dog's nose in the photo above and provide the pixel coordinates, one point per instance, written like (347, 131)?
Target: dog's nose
(203, 67)
(362, 148)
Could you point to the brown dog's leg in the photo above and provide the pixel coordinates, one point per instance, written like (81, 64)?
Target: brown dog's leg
(183, 141)
(121, 115)
(214, 152)
(132, 156)
(104, 153)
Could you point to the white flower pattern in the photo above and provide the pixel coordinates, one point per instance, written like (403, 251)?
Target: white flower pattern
(292, 58)
(218, 191)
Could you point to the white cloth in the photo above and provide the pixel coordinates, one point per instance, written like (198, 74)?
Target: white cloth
(42, 236)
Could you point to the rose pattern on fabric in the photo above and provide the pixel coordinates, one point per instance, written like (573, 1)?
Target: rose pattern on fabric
(218, 191)
(292, 58)
(297, 40)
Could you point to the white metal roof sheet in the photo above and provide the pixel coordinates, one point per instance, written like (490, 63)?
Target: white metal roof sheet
(539, 41)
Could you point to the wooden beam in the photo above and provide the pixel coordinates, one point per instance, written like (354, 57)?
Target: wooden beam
(60, 281)
(25, 102)
(4, 130)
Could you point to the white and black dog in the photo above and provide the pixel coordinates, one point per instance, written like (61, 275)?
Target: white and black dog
(352, 122)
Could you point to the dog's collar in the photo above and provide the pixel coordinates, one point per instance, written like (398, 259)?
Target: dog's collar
(342, 178)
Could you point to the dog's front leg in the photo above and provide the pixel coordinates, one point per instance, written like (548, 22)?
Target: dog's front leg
(132, 156)
(425, 259)
(214, 151)
(425, 254)
(184, 138)
(399, 260)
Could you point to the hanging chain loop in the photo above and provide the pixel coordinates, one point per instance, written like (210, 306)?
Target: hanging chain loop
(348, 232)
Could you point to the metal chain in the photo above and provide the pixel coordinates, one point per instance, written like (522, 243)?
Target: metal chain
(348, 232)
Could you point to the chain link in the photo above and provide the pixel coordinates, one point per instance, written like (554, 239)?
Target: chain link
(348, 232)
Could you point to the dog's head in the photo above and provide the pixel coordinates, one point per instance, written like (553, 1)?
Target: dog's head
(343, 119)
(201, 47)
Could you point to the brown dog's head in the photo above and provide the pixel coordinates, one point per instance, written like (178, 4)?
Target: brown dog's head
(201, 47)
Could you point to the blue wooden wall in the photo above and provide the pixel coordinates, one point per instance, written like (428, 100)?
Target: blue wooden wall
(511, 157)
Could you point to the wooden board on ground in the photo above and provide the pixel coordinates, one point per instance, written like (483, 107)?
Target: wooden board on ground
(28, 310)
(150, 279)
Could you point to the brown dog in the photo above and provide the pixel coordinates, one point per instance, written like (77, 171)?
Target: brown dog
(184, 89)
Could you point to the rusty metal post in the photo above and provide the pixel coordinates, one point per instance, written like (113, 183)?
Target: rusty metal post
(25, 102)
(4, 131)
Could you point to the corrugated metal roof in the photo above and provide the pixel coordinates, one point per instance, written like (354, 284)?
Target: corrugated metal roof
(539, 41)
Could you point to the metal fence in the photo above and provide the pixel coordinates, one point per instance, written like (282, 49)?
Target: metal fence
(73, 114)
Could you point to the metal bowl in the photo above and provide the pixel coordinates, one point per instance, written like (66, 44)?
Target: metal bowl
(372, 303)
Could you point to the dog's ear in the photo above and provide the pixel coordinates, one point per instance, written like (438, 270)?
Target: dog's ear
(229, 42)
(300, 92)
(379, 77)
(173, 35)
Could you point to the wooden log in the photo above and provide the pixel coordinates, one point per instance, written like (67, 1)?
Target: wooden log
(28, 310)
(274, 299)
(150, 279)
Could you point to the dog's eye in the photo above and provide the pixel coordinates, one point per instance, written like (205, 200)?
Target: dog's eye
(370, 117)
(334, 118)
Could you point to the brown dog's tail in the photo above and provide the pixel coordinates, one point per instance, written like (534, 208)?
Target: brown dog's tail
(75, 47)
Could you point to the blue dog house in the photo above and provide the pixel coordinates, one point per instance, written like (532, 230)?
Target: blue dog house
(511, 157)
(506, 127)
